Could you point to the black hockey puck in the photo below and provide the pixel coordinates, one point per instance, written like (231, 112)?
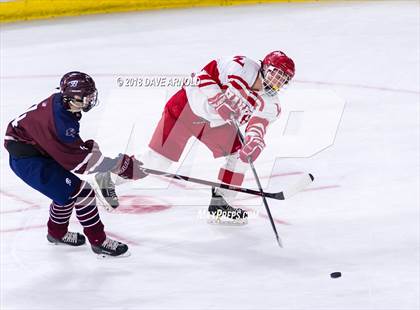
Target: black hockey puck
(335, 275)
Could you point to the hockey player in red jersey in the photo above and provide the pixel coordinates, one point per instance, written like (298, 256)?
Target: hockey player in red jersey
(46, 152)
(229, 90)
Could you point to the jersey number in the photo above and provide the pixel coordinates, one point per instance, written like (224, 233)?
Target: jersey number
(22, 116)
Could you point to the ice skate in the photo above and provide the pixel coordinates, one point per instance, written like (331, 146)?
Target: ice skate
(105, 191)
(111, 247)
(70, 238)
(220, 212)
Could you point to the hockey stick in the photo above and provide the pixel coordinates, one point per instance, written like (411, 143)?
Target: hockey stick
(257, 179)
(301, 184)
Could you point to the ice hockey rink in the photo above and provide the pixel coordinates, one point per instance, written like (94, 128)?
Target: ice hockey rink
(360, 217)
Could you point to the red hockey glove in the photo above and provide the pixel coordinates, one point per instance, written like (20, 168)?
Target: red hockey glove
(226, 104)
(128, 167)
(252, 148)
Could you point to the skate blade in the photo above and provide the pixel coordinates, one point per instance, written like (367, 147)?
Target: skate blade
(52, 242)
(105, 256)
(226, 221)
(61, 244)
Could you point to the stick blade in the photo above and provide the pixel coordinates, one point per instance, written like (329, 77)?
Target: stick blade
(300, 185)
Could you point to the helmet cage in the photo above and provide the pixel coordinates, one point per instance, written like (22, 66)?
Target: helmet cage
(86, 103)
(274, 79)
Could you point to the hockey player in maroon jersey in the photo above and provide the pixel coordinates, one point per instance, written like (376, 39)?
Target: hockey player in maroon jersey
(47, 152)
(236, 89)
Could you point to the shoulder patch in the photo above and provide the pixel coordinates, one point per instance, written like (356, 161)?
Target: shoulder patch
(71, 132)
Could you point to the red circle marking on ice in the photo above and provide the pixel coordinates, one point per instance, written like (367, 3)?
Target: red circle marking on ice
(131, 204)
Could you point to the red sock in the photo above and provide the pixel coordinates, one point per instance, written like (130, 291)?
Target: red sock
(230, 177)
(58, 222)
(88, 214)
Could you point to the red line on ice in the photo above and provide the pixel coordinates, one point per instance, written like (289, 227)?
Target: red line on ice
(275, 175)
(35, 206)
(17, 198)
(175, 182)
(25, 228)
(397, 90)
(305, 190)
(181, 184)
(278, 221)
(320, 188)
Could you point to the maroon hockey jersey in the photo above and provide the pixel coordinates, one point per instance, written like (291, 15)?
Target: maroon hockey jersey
(54, 131)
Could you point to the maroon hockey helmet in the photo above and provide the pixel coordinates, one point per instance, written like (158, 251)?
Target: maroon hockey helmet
(277, 70)
(79, 90)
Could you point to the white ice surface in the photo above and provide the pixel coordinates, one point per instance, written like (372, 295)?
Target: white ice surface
(361, 218)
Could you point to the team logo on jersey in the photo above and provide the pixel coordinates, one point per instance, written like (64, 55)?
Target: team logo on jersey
(73, 83)
(71, 132)
(68, 181)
